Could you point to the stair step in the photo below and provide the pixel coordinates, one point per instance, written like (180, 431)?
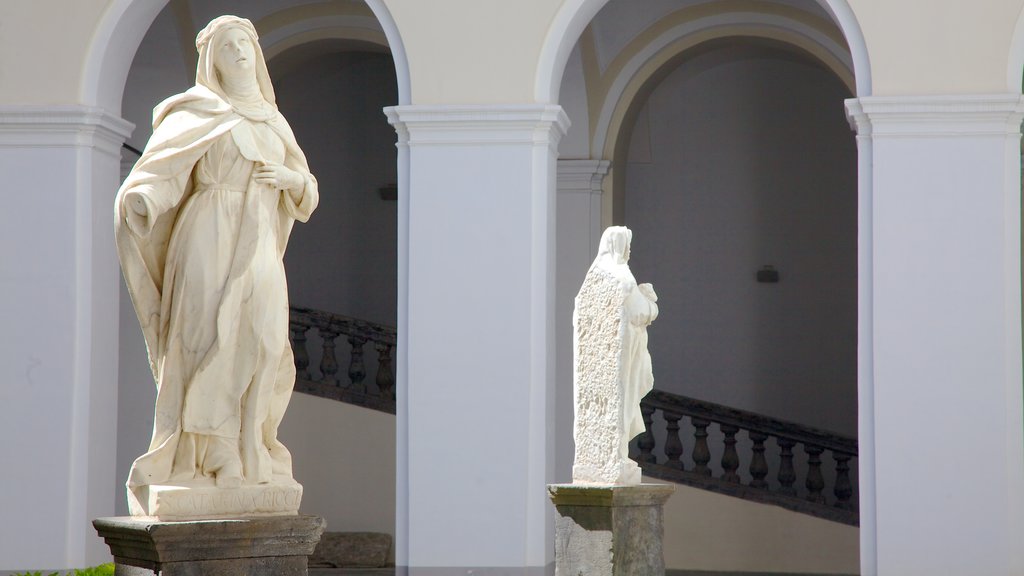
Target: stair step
(352, 551)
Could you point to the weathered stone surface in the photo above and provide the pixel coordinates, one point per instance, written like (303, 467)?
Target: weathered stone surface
(609, 530)
(273, 546)
(352, 549)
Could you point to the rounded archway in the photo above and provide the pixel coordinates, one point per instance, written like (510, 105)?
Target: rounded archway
(145, 52)
(617, 58)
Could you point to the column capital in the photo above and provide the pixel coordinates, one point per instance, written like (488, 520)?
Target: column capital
(936, 116)
(477, 125)
(62, 126)
(582, 175)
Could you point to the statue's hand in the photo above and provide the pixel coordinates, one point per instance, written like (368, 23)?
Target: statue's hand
(279, 177)
(648, 291)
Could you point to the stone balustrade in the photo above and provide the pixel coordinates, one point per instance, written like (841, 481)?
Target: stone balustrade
(315, 336)
(747, 455)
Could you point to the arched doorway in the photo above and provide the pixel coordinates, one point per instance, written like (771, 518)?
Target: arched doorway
(610, 72)
(311, 51)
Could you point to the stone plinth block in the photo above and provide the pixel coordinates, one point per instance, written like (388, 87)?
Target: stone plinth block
(609, 530)
(172, 503)
(274, 546)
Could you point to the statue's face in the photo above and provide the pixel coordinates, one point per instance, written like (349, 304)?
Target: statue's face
(234, 53)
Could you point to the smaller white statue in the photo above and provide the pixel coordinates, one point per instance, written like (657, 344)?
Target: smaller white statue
(611, 365)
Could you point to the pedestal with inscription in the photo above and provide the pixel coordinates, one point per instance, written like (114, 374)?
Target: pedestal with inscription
(609, 530)
(262, 546)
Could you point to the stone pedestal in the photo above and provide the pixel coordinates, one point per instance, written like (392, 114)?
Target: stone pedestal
(271, 546)
(609, 530)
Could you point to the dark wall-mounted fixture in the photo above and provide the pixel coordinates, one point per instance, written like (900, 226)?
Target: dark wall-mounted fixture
(768, 275)
(388, 193)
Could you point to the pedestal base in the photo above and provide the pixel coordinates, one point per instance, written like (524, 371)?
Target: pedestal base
(172, 503)
(277, 546)
(609, 530)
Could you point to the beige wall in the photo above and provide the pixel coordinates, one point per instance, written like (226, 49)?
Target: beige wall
(43, 47)
(712, 532)
(455, 46)
(938, 46)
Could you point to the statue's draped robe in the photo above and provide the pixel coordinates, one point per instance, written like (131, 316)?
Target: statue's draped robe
(611, 365)
(206, 276)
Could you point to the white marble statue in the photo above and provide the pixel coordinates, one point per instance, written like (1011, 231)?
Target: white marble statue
(202, 223)
(611, 364)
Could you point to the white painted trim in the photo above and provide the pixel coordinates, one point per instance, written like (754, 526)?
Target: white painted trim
(340, 22)
(387, 22)
(586, 176)
(846, 19)
(62, 126)
(1015, 59)
(481, 125)
(570, 21)
(936, 116)
(723, 21)
(575, 15)
(112, 51)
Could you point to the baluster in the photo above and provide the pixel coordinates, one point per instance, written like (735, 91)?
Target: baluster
(385, 377)
(843, 489)
(299, 350)
(356, 369)
(645, 442)
(815, 482)
(787, 476)
(758, 464)
(673, 445)
(701, 454)
(730, 459)
(329, 363)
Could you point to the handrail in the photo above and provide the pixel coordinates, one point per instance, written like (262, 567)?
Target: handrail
(722, 414)
(323, 380)
(751, 483)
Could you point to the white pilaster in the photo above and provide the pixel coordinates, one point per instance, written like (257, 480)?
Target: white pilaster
(941, 444)
(476, 282)
(58, 357)
(579, 231)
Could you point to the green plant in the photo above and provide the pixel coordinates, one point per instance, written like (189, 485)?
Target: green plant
(101, 570)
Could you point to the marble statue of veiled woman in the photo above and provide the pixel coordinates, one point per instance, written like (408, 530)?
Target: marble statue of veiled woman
(640, 308)
(613, 369)
(202, 222)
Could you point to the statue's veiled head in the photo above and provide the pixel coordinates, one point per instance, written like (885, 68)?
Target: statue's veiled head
(229, 48)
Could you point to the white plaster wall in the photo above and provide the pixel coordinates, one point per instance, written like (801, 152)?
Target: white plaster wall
(742, 157)
(716, 533)
(37, 363)
(344, 457)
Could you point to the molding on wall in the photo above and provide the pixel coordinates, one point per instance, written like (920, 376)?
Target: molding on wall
(936, 116)
(582, 175)
(62, 126)
(445, 125)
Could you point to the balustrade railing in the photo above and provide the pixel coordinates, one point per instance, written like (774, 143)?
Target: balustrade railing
(691, 442)
(765, 473)
(315, 335)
